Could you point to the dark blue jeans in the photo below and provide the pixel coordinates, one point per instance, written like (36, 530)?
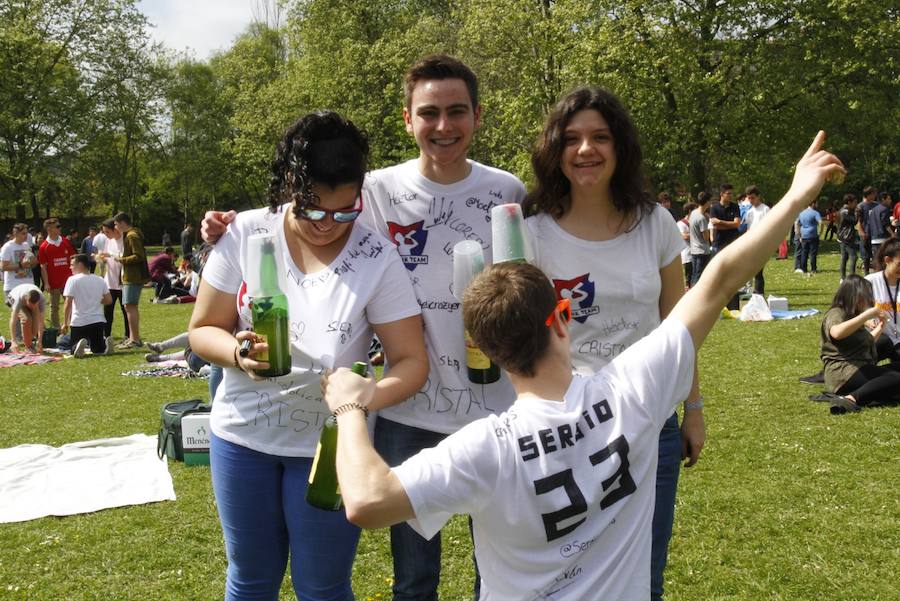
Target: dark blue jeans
(667, 471)
(848, 251)
(698, 264)
(865, 254)
(809, 253)
(417, 562)
(265, 518)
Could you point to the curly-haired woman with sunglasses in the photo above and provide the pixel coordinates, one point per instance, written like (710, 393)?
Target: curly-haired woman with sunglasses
(344, 283)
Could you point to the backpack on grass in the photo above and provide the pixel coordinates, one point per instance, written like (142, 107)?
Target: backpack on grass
(168, 442)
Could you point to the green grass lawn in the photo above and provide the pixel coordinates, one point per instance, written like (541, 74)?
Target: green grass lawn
(787, 501)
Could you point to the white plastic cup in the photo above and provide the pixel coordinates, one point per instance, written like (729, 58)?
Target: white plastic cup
(509, 238)
(253, 260)
(468, 261)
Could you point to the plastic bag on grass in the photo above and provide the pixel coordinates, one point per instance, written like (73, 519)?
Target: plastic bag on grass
(756, 309)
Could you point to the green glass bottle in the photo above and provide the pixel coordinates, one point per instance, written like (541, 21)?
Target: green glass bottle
(468, 261)
(270, 316)
(480, 368)
(322, 490)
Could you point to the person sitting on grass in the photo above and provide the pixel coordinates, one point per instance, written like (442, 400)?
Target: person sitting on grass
(85, 295)
(560, 487)
(26, 321)
(850, 330)
(886, 292)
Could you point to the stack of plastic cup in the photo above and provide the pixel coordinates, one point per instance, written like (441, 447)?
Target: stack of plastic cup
(257, 246)
(468, 261)
(510, 241)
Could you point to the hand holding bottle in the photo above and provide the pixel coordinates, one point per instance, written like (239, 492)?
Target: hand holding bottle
(247, 360)
(343, 386)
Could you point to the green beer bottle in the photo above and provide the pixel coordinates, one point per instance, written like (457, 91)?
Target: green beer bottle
(480, 368)
(270, 315)
(322, 490)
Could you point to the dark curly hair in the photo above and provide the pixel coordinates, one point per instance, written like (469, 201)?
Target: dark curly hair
(552, 187)
(321, 148)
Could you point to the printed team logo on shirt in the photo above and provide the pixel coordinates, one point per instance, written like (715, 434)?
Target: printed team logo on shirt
(243, 305)
(580, 291)
(410, 241)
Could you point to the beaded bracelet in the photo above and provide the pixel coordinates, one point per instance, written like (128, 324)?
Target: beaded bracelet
(350, 407)
(698, 404)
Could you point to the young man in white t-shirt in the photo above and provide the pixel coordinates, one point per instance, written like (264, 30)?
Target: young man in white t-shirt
(560, 486)
(758, 209)
(85, 295)
(17, 260)
(425, 206)
(108, 246)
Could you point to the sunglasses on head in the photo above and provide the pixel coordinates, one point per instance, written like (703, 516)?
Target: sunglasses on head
(313, 212)
(564, 308)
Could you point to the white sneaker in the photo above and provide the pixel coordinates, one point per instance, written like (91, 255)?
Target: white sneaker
(798, 271)
(110, 348)
(79, 348)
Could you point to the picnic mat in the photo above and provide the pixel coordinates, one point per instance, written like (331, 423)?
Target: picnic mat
(13, 359)
(776, 314)
(169, 369)
(795, 314)
(81, 477)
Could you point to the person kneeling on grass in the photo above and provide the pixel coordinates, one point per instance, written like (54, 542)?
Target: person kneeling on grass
(850, 330)
(560, 487)
(85, 295)
(26, 320)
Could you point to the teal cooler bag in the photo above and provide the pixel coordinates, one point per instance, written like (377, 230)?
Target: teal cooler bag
(169, 442)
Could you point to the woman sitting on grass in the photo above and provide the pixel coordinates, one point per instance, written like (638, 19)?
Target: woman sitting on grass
(849, 331)
(886, 291)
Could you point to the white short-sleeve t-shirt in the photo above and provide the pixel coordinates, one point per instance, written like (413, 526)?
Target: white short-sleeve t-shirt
(14, 253)
(425, 220)
(330, 315)
(86, 290)
(562, 493)
(614, 285)
(17, 296)
(886, 299)
(684, 228)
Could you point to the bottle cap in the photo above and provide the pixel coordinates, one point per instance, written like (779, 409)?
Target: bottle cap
(509, 240)
(260, 277)
(468, 261)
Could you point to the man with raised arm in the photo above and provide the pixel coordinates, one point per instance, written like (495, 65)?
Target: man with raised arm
(560, 486)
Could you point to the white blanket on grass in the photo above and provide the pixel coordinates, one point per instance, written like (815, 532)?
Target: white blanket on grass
(81, 477)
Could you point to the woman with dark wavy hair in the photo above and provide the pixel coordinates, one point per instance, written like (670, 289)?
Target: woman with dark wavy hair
(344, 283)
(616, 256)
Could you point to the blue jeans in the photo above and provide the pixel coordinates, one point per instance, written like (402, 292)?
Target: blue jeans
(865, 254)
(809, 252)
(698, 264)
(417, 562)
(848, 251)
(265, 517)
(216, 373)
(667, 471)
